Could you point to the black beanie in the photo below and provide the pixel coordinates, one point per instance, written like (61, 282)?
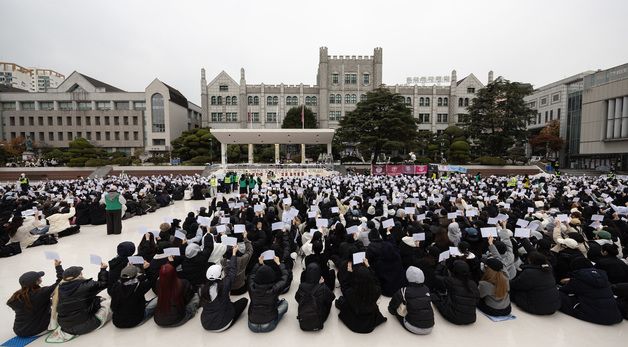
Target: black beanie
(265, 275)
(126, 249)
(501, 247)
(374, 235)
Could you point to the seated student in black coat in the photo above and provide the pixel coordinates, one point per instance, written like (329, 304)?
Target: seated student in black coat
(621, 292)
(177, 301)
(386, 262)
(321, 259)
(266, 310)
(534, 289)
(82, 213)
(616, 269)
(124, 250)
(457, 295)
(32, 303)
(219, 313)
(128, 304)
(314, 299)
(97, 215)
(194, 264)
(587, 295)
(418, 317)
(358, 306)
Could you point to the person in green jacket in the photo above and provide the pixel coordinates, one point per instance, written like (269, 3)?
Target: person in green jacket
(252, 183)
(244, 182)
(113, 202)
(234, 181)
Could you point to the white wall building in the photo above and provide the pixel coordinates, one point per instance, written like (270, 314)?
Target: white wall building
(31, 79)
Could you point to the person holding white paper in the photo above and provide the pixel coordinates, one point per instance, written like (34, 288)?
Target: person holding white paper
(314, 299)
(266, 310)
(194, 264)
(31, 303)
(358, 304)
(120, 261)
(386, 262)
(176, 300)
(128, 304)
(243, 252)
(494, 290)
(456, 296)
(219, 313)
(503, 250)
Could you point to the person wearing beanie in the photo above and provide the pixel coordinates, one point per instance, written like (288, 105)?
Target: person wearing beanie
(534, 289)
(76, 307)
(124, 250)
(194, 264)
(219, 312)
(601, 238)
(456, 296)
(128, 304)
(314, 299)
(568, 252)
(418, 317)
(266, 310)
(587, 295)
(31, 303)
(494, 289)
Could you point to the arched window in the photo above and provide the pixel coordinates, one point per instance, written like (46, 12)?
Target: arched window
(234, 100)
(466, 102)
(228, 100)
(354, 98)
(421, 101)
(427, 101)
(408, 101)
(460, 102)
(288, 100)
(338, 99)
(314, 101)
(275, 100)
(332, 99)
(269, 100)
(347, 98)
(362, 97)
(440, 101)
(445, 102)
(158, 116)
(308, 101)
(256, 100)
(219, 102)
(213, 102)
(250, 100)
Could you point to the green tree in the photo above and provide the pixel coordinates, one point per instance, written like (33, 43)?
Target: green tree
(379, 124)
(293, 118)
(195, 143)
(498, 116)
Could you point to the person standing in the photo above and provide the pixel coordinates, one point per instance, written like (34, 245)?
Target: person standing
(113, 202)
(213, 186)
(24, 183)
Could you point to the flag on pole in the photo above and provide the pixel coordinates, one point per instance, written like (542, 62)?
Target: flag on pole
(303, 116)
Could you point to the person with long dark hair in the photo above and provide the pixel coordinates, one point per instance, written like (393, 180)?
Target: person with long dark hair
(457, 295)
(219, 313)
(358, 305)
(534, 289)
(31, 303)
(176, 300)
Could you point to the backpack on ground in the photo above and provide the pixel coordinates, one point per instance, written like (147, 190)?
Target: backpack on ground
(309, 315)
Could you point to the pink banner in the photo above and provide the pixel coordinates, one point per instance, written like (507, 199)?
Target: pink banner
(394, 170)
(408, 169)
(378, 170)
(420, 169)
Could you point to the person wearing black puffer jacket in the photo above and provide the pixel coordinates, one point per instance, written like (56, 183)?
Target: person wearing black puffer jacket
(194, 264)
(128, 304)
(587, 295)
(457, 295)
(266, 310)
(534, 289)
(124, 250)
(313, 284)
(219, 313)
(419, 318)
(386, 262)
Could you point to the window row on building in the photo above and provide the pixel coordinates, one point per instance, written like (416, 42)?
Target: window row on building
(228, 100)
(351, 78)
(617, 118)
(290, 100)
(72, 120)
(51, 136)
(69, 105)
(549, 116)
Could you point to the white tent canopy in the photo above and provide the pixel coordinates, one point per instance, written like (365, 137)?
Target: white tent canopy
(272, 136)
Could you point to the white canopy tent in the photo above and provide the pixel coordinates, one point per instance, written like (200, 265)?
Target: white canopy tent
(272, 136)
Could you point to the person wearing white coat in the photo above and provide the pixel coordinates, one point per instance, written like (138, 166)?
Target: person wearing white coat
(60, 223)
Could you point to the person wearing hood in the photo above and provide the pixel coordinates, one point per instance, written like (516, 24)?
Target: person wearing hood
(243, 253)
(454, 233)
(385, 260)
(266, 310)
(76, 307)
(113, 202)
(125, 249)
(503, 251)
(128, 304)
(194, 264)
(219, 313)
(31, 303)
(534, 289)
(314, 299)
(494, 289)
(147, 247)
(358, 304)
(418, 316)
(410, 251)
(456, 296)
(587, 295)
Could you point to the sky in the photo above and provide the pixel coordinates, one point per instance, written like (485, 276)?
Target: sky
(128, 43)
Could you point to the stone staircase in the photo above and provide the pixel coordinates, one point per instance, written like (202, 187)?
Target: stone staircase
(101, 171)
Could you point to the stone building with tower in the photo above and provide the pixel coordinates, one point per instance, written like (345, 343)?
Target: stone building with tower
(341, 82)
